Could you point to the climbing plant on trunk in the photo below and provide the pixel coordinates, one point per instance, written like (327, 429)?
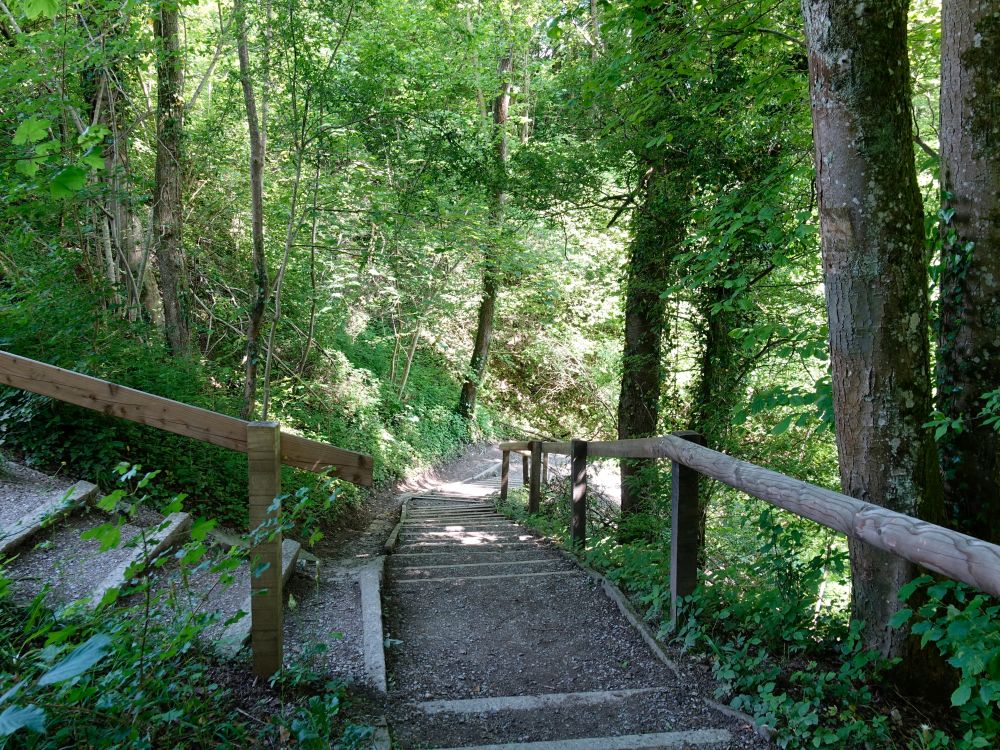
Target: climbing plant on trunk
(968, 367)
(871, 228)
(491, 281)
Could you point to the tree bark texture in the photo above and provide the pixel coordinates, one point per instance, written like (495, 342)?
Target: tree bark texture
(260, 276)
(871, 227)
(167, 213)
(969, 334)
(657, 229)
(487, 305)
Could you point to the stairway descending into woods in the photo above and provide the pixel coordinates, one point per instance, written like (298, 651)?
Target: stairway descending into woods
(499, 640)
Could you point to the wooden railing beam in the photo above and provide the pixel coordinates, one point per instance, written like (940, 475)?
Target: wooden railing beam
(945, 551)
(173, 416)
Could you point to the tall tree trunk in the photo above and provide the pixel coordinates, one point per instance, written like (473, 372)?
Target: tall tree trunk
(871, 227)
(657, 228)
(969, 334)
(256, 127)
(167, 214)
(487, 305)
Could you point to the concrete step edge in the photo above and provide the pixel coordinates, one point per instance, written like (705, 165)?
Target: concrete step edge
(657, 741)
(451, 579)
(171, 531)
(531, 702)
(46, 514)
(399, 570)
(235, 635)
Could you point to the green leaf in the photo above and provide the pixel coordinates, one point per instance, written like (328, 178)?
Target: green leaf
(27, 167)
(79, 661)
(961, 696)
(68, 182)
(108, 534)
(783, 425)
(94, 159)
(901, 617)
(110, 501)
(201, 528)
(31, 131)
(16, 717)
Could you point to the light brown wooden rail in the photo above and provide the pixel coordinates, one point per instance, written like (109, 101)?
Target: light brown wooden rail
(173, 416)
(945, 551)
(266, 446)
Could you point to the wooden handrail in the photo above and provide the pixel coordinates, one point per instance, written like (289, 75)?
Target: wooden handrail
(945, 551)
(173, 416)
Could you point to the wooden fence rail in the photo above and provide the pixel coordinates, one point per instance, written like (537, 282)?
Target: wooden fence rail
(945, 551)
(266, 446)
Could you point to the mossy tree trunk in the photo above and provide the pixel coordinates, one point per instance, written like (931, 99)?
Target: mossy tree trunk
(658, 227)
(871, 226)
(491, 285)
(167, 214)
(969, 333)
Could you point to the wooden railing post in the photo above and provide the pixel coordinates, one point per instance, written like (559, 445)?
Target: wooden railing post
(525, 470)
(504, 475)
(578, 473)
(266, 601)
(545, 468)
(535, 486)
(684, 539)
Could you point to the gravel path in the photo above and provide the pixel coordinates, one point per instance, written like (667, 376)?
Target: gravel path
(498, 638)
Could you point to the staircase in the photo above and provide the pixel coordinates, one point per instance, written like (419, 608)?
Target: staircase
(498, 640)
(43, 529)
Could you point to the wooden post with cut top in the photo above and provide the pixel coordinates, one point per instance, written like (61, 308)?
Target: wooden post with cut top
(578, 475)
(535, 485)
(504, 475)
(684, 541)
(266, 601)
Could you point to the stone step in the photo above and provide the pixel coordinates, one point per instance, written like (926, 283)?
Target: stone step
(200, 590)
(707, 738)
(476, 522)
(440, 546)
(541, 634)
(464, 578)
(409, 569)
(73, 567)
(235, 636)
(644, 717)
(467, 554)
(461, 535)
(158, 539)
(28, 508)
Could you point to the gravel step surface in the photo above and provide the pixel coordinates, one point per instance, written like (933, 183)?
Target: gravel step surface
(323, 629)
(498, 639)
(73, 567)
(668, 710)
(23, 489)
